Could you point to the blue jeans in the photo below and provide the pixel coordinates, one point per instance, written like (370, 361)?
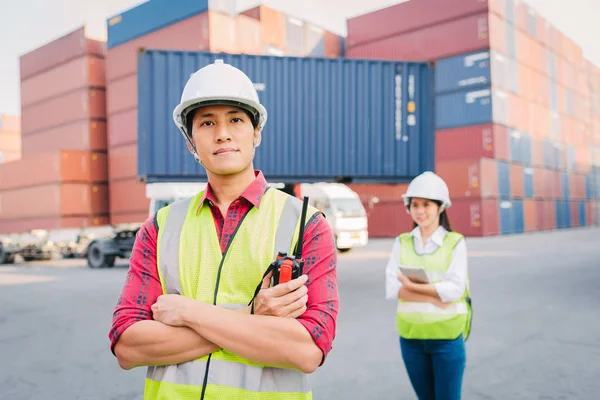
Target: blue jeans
(435, 367)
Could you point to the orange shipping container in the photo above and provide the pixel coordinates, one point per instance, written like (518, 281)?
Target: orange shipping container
(537, 153)
(530, 215)
(543, 32)
(27, 224)
(474, 217)
(55, 167)
(470, 178)
(9, 156)
(87, 71)
(128, 196)
(122, 162)
(10, 141)
(57, 199)
(546, 214)
(577, 186)
(82, 135)
(248, 36)
(10, 123)
(574, 210)
(122, 128)
(121, 95)
(70, 107)
(583, 164)
(223, 33)
(272, 25)
(498, 33)
(520, 15)
(517, 181)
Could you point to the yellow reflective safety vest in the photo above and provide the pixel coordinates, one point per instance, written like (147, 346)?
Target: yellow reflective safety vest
(416, 320)
(190, 263)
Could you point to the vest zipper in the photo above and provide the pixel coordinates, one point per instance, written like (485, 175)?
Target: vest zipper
(205, 382)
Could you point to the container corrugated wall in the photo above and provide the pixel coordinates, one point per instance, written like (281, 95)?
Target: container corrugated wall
(149, 17)
(320, 122)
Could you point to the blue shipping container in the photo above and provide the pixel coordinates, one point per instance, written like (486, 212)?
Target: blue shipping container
(503, 179)
(563, 214)
(506, 217)
(529, 191)
(527, 149)
(570, 153)
(467, 71)
(516, 149)
(518, 216)
(149, 17)
(582, 213)
(328, 118)
(464, 108)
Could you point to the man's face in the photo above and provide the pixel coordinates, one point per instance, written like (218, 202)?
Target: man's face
(224, 138)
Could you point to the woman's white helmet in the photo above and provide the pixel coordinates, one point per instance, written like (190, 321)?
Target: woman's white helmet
(428, 186)
(217, 84)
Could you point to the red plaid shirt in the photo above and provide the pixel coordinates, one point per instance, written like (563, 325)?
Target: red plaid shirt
(142, 285)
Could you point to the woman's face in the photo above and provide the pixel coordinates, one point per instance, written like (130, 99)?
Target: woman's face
(424, 212)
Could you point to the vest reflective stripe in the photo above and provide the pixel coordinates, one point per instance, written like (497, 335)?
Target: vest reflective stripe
(234, 277)
(418, 320)
(225, 373)
(428, 308)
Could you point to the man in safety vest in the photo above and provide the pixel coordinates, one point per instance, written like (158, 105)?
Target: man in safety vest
(186, 310)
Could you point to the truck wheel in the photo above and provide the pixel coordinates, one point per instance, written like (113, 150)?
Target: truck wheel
(97, 259)
(6, 258)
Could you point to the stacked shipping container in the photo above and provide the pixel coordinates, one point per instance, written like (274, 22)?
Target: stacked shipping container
(512, 115)
(10, 138)
(182, 25)
(61, 181)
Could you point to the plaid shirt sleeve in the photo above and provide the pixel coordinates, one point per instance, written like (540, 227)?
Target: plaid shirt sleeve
(320, 256)
(142, 285)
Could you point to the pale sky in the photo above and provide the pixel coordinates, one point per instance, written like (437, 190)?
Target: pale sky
(25, 25)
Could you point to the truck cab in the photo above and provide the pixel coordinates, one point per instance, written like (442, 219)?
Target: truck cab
(344, 211)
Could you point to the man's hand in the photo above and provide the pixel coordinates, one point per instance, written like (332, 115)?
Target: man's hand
(284, 300)
(169, 309)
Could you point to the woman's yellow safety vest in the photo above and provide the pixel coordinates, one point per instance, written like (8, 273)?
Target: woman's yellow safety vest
(190, 263)
(416, 320)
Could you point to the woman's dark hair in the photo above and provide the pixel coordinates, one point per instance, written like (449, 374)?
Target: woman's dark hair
(444, 220)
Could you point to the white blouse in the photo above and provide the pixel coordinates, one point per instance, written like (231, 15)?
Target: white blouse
(452, 286)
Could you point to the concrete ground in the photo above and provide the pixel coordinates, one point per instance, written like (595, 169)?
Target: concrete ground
(536, 326)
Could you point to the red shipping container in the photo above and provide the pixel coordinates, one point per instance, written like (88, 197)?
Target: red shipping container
(248, 35)
(540, 187)
(554, 185)
(583, 164)
(24, 225)
(553, 39)
(79, 135)
(59, 51)
(80, 199)
(530, 215)
(593, 208)
(132, 218)
(121, 95)
(541, 88)
(70, 107)
(515, 110)
(409, 16)
(470, 178)
(128, 196)
(122, 162)
(474, 217)
(543, 31)
(517, 181)
(472, 142)
(82, 72)
(381, 192)
(122, 128)
(55, 167)
(537, 153)
(10, 141)
(546, 214)
(469, 34)
(10, 123)
(543, 60)
(388, 219)
(190, 34)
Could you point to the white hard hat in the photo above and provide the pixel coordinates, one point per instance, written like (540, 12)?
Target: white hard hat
(222, 84)
(428, 186)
